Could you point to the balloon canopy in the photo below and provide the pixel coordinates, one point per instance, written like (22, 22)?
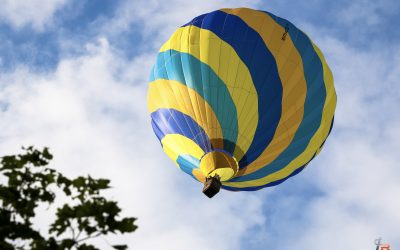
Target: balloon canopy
(242, 94)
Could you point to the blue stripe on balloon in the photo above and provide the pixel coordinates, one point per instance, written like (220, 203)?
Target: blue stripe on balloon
(171, 121)
(313, 106)
(251, 49)
(157, 131)
(187, 163)
(188, 70)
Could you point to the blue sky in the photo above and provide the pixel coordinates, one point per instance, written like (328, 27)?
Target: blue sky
(73, 76)
(84, 21)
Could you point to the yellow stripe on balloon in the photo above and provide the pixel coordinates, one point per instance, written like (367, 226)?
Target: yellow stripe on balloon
(291, 73)
(231, 70)
(199, 174)
(331, 98)
(177, 144)
(172, 94)
(316, 141)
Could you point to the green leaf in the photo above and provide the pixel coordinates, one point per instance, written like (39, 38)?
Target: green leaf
(103, 183)
(79, 182)
(86, 247)
(46, 154)
(120, 247)
(127, 225)
(67, 243)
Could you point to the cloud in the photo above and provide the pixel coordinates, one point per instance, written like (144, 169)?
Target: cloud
(347, 195)
(35, 13)
(360, 173)
(91, 111)
(367, 13)
(156, 20)
(92, 114)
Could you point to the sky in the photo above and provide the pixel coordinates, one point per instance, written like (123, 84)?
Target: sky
(73, 77)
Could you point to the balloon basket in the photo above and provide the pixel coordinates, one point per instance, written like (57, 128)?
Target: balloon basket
(212, 185)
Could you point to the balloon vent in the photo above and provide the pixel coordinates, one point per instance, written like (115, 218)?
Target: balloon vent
(212, 185)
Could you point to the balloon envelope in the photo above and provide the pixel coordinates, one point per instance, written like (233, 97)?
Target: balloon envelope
(242, 94)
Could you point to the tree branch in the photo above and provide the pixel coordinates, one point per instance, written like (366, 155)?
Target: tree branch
(89, 237)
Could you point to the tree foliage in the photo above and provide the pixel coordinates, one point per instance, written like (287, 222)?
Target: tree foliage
(27, 182)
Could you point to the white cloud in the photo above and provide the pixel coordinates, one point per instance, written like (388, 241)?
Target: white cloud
(362, 168)
(157, 20)
(35, 13)
(369, 13)
(357, 174)
(92, 113)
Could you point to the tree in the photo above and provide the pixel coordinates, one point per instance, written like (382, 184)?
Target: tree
(29, 183)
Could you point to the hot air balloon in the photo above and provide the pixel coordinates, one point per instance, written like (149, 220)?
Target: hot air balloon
(241, 99)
